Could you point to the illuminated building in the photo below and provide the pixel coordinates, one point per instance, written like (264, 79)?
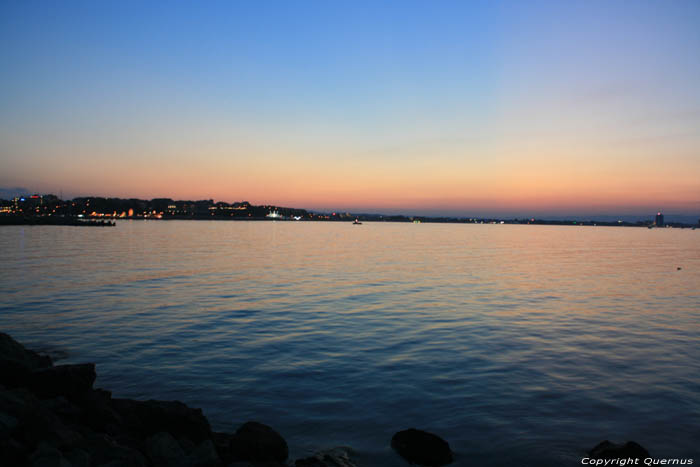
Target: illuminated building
(659, 222)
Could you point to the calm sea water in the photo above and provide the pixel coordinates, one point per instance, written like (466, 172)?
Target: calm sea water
(520, 345)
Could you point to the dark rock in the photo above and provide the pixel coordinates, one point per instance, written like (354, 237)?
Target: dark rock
(103, 449)
(128, 456)
(222, 442)
(187, 445)
(147, 418)
(336, 457)
(17, 401)
(8, 423)
(13, 373)
(78, 458)
(11, 349)
(421, 447)
(70, 381)
(205, 455)
(48, 420)
(13, 452)
(608, 450)
(96, 397)
(63, 408)
(257, 442)
(62, 436)
(126, 439)
(48, 456)
(36, 422)
(163, 450)
(16, 362)
(50, 416)
(102, 394)
(116, 463)
(99, 414)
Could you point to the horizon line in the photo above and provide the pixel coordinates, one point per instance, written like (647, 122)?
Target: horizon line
(407, 212)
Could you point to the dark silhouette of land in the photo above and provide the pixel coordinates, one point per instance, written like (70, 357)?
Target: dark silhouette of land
(51, 210)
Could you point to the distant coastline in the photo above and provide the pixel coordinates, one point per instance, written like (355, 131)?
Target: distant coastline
(98, 222)
(51, 210)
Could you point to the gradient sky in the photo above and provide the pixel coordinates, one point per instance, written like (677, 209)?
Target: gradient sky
(466, 108)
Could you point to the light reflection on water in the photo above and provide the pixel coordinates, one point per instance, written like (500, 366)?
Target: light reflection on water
(521, 345)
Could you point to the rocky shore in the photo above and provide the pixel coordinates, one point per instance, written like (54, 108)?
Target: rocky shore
(51, 416)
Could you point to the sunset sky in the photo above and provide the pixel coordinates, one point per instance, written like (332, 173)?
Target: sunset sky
(464, 108)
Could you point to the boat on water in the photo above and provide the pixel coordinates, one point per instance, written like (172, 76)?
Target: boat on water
(357, 222)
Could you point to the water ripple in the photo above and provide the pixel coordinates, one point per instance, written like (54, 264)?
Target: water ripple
(521, 345)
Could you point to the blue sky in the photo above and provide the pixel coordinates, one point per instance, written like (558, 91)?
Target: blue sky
(445, 107)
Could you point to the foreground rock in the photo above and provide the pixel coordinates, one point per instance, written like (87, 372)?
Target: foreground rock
(52, 416)
(71, 381)
(258, 443)
(16, 362)
(608, 450)
(146, 418)
(336, 457)
(421, 447)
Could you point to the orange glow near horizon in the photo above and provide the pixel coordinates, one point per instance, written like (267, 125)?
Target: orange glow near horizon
(537, 188)
(544, 170)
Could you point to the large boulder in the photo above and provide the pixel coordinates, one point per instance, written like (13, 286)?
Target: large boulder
(256, 442)
(421, 447)
(607, 450)
(147, 418)
(70, 381)
(16, 362)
